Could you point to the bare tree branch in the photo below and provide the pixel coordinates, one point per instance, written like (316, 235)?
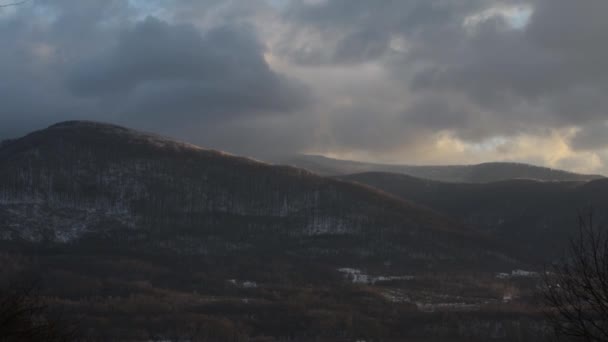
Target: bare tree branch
(576, 288)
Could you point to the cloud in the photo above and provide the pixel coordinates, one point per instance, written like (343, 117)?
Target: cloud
(163, 68)
(402, 81)
(106, 61)
(355, 31)
(561, 75)
(475, 69)
(591, 137)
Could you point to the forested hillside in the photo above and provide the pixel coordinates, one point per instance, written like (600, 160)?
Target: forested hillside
(80, 179)
(139, 237)
(535, 217)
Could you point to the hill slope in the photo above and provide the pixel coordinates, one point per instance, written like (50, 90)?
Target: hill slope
(480, 173)
(536, 216)
(138, 237)
(81, 180)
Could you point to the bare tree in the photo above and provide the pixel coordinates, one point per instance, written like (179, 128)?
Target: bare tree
(576, 288)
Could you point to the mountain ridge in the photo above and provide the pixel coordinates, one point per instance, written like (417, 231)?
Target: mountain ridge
(80, 179)
(472, 173)
(123, 224)
(520, 212)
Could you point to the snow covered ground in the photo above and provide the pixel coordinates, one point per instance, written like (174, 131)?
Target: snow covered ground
(518, 274)
(358, 277)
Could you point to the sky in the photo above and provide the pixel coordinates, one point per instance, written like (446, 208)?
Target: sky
(392, 81)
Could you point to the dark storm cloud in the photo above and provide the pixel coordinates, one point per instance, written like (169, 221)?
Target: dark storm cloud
(105, 61)
(494, 61)
(165, 68)
(555, 70)
(379, 75)
(357, 31)
(557, 62)
(591, 137)
(361, 46)
(498, 75)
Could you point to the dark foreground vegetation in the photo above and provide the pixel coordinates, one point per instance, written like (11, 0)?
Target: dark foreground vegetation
(576, 288)
(124, 296)
(26, 316)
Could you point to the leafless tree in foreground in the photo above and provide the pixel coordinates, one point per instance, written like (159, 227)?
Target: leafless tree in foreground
(25, 317)
(576, 288)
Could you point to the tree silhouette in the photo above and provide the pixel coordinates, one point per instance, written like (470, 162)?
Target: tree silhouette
(576, 288)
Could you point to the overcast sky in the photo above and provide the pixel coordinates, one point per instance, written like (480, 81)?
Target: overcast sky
(403, 81)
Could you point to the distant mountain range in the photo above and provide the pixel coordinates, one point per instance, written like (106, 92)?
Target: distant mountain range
(537, 217)
(140, 237)
(83, 180)
(480, 173)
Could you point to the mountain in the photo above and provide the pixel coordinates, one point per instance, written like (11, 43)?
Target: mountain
(480, 173)
(536, 217)
(138, 237)
(83, 180)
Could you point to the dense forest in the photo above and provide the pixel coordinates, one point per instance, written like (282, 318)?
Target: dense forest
(129, 296)
(534, 217)
(79, 179)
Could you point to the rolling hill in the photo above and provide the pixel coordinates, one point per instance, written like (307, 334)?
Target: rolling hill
(480, 173)
(537, 217)
(83, 180)
(139, 237)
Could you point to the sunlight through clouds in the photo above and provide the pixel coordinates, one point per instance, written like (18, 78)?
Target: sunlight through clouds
(517, 17)
(420, 81)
